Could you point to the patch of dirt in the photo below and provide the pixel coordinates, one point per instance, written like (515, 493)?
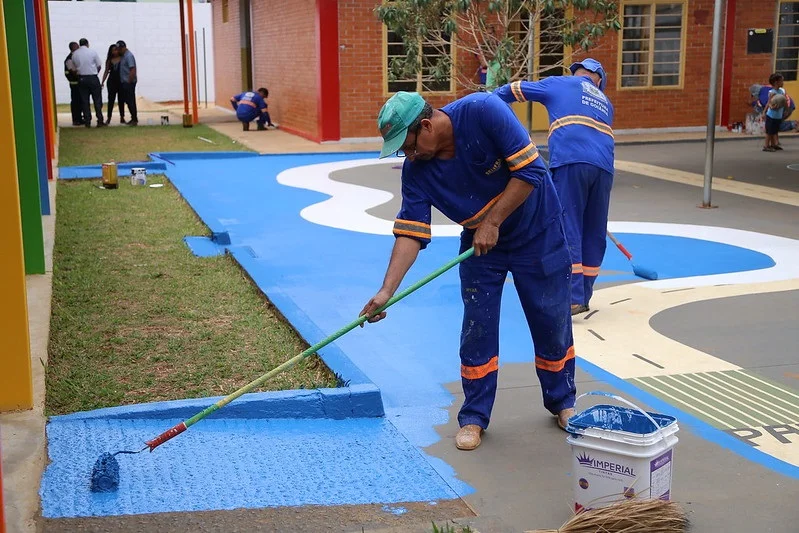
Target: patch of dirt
(310, 519)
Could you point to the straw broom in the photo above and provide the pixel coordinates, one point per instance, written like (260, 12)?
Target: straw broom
(627, 516)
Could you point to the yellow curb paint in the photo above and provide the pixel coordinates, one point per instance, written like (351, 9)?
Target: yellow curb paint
(16, 385)
(625, 329)
(740, 188)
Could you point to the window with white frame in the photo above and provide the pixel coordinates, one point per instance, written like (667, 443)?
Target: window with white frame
(652, 44)
(787, 56)
(424, 81)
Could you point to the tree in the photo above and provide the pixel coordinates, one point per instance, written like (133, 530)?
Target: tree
(500, 33)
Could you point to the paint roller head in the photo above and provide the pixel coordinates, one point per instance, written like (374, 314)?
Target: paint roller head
(643, 272)
(105, 474)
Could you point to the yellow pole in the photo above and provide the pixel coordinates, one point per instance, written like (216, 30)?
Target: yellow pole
(16, 384)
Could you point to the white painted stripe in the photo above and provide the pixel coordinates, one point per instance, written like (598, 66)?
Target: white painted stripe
(784, 252)
(346, 208)
(716, 382)
(733, 402)
(785, 391)
(753, 420)
(682, 402)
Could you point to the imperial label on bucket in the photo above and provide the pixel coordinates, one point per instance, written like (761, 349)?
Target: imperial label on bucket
(660, 476)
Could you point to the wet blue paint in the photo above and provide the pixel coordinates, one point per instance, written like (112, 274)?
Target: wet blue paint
(235, 463)
(615, 418)
(319, 278)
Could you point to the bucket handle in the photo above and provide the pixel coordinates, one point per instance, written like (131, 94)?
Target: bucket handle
(624, 401)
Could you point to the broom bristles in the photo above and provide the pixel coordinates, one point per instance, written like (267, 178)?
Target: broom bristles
(627, 516)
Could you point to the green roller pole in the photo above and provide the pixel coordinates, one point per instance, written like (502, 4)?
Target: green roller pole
(25, 136)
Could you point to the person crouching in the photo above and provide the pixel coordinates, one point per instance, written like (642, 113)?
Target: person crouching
(250, 106)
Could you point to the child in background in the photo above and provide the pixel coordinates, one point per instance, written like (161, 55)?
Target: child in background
(774, 111)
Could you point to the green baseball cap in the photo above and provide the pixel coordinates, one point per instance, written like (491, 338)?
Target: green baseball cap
(397, 114)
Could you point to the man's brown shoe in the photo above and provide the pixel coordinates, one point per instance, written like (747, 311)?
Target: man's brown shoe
(468, 437)
(577, 309)
(564, 416)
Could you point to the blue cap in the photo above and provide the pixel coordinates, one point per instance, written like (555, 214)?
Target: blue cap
(592, 65)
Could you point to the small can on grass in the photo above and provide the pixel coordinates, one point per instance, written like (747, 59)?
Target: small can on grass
(138, 176)
(110, 180)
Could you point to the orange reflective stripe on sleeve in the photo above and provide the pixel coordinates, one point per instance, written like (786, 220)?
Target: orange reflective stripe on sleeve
(554, 366)
(577, 268)
(477, 372)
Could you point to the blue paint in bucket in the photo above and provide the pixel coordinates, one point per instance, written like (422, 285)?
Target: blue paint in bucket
(615, 418)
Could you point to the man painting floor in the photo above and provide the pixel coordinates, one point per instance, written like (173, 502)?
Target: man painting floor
(474, 162)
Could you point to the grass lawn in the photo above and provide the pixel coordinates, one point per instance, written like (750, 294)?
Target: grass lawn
(136, 317)
(90, 146)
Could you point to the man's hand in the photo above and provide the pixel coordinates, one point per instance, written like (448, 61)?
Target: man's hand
(485, 238)
(378, 300)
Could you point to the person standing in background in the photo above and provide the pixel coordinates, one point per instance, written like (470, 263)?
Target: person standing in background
(112, 75)
(88, 65)
(71, 74)
(128, 79)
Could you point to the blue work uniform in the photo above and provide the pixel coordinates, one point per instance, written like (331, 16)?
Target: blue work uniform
(581, 150)
(249, 106)
(491, 147)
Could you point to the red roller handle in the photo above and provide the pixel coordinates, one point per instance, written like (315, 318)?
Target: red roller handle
(620, 246)
(166, 435)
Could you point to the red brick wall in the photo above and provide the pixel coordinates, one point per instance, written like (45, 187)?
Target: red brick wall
(749, 69)
(227, 52)
(286, 60)
(361, 67)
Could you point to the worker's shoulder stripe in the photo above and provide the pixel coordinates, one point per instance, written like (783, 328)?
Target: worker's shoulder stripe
(516, 89)
(523, 157)
(580, 120)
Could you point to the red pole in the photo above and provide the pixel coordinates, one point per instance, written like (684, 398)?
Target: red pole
(328, 97)
(726, 82)
(2, 505)
(183, 55)
(190, 10)
(46, 77)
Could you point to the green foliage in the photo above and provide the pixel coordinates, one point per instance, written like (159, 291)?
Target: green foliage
(495, 31)
(447, 528)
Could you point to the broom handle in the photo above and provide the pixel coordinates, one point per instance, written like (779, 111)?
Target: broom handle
(620, 246)
(183, 426)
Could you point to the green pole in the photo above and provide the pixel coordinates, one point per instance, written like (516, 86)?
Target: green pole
(25, 136)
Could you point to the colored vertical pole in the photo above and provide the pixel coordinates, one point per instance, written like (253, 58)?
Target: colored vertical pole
(16, 384)
(2, 505)
(50, 80)
(25, 136)
(190, 13)
(183, 58)
(46, 86)
(328, 95)
(38, 111)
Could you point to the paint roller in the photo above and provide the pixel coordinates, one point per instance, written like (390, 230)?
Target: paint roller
(638, 270)
(105, 473)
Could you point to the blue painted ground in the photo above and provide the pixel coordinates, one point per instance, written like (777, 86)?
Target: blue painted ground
(320, 278)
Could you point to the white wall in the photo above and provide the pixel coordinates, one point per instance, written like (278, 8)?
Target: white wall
(152, 33)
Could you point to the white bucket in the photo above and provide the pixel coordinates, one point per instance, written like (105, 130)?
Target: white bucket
(620, 453)
(138, 176)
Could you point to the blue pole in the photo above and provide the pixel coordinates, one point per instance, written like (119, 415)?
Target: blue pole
(38, 112)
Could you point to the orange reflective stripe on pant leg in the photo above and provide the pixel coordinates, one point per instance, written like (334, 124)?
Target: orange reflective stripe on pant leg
(477, 372)
(590, 271)
(577, 268)
(554, 366)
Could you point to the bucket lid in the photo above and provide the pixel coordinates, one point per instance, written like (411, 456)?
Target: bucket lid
(618, 419)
